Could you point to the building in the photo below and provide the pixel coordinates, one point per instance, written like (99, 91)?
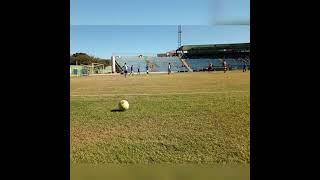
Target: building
(215, 50)
(168, 54)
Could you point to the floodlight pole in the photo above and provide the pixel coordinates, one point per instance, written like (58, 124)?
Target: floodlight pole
(179, 36)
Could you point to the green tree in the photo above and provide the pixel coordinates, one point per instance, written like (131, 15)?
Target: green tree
(85, 59)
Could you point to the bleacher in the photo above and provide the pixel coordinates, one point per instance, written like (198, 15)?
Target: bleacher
(202, 64)
(156, 64)
(131, 60)
(160, 64)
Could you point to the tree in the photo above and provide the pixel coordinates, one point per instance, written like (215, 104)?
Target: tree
(85, 59)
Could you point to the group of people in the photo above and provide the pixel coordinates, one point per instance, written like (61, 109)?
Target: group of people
(210, 68)
(126, 69)
(226, 66)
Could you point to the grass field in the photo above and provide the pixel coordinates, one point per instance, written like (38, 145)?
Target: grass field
(183, 118)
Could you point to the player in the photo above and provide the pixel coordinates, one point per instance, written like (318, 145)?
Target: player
(244, 69)
(225, 66)
(210, 67)
(131, 70)
(169, 68)
(125, 67)
(147, 69)
(139, 70)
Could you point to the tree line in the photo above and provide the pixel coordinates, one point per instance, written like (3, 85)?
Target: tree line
(85, 59)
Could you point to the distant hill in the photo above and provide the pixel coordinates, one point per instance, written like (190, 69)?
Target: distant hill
(85, 59)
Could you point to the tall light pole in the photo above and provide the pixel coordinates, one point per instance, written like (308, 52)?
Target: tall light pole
(179, 36)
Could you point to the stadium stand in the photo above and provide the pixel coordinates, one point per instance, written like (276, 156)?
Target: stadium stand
(198, 57)
(192, 58)
(156, 64)
(215, 50)
(202, 63)
(131, 60)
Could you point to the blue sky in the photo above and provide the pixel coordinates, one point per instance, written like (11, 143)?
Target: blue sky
(103, 27)
(103, 41)
(157, 12)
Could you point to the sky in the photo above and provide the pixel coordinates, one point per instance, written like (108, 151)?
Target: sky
(103, 27)
(104, 41)
(157, 12)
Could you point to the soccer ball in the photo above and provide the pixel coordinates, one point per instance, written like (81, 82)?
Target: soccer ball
(123, 105)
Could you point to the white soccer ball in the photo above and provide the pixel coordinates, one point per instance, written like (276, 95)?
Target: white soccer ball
(123, 105)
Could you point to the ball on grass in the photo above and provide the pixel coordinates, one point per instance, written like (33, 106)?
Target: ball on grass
(123, 105)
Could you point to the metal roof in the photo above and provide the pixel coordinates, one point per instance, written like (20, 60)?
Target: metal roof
(215, 46)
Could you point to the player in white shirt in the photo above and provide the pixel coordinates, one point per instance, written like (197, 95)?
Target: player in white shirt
(125, 67)
(225, 65)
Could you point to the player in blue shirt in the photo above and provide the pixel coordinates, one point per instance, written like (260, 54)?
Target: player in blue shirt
(131, 70)
(244, 69)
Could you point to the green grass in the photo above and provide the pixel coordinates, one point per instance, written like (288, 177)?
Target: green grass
(187, 118)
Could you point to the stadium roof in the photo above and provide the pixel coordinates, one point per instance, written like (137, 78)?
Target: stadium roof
(214, 49)
(216, 46)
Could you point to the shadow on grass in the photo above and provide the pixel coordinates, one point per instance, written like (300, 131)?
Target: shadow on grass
(116, 110)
